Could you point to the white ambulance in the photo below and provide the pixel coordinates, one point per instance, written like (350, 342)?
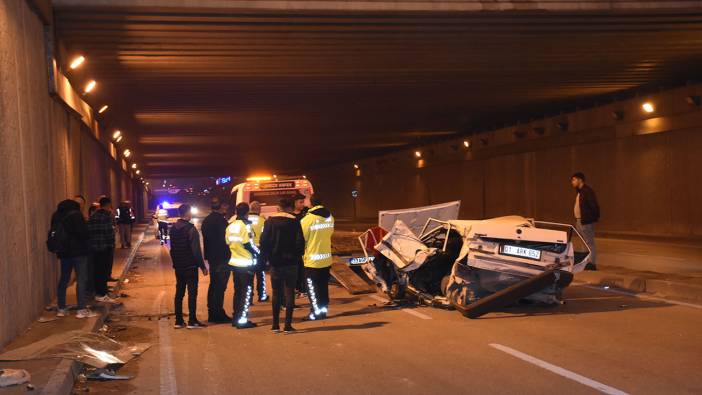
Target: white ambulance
(269, 190)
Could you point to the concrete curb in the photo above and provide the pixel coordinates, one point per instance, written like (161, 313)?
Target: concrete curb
(63, 377)
(661, 288)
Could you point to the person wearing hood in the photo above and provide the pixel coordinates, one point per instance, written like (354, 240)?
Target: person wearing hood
(243, 262)
(187, 259)
(317, 228)
(69, 227)
(282, 246)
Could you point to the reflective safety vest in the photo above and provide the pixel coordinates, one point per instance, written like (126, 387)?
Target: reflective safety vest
(239, 234)
(318, 233)
(162, 215)
(257, 223)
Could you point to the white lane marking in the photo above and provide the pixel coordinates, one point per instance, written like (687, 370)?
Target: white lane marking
(640, 296)
(408, 311)
(559, 371)
(168, 384)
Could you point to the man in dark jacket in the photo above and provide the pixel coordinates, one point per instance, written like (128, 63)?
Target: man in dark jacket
(217, 254)
(282, 245)
(187, 258)
(587, 213)
(102, 239)
(299, 211)
(68, 219)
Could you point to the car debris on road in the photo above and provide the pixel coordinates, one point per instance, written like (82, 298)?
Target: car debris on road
(474, 266)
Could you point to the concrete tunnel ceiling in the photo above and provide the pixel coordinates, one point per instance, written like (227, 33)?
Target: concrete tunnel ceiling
(211, 91)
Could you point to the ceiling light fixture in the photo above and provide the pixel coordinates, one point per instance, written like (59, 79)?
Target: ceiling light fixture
(418, 154)
(466, 143)
(127, 152)
(648, 107)
(77, 61)
(90, 86)
(103, 109)
(134, 165)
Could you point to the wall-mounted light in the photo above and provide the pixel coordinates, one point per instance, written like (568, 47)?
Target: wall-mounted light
(355, 166)
(134, 165)
(77, 61)
(138, 172)
(418, 154)
(304, 176)
(126, 153)
(648, 107)
(117, 134)
(466, 143)
(103, 109)
(90, 86)
(119, 139)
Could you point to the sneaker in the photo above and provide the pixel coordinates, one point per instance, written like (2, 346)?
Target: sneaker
(105, 299)
(196, 325)
(275, 329)
(85, 313)
(61, 312)
(247, 325)
(263, 298)
(179, 325)
(289, 330)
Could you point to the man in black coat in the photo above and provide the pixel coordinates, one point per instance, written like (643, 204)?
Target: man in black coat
(587, 213)
(73, 255)
(217, 255)
(282, 246)
(187, 259)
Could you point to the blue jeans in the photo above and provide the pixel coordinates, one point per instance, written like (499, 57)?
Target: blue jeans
(80, 264)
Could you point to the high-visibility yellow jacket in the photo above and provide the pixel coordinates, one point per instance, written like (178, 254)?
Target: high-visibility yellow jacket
(257, 223)
(317, 227)
(239, 236)
(162, 215)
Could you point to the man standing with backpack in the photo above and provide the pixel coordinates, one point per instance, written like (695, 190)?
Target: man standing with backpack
(68, 239)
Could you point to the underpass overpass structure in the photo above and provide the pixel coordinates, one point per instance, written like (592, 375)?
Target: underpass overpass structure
(536, 89)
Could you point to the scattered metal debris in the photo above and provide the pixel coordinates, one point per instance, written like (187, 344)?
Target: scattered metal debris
(10, 377)
(92, 349)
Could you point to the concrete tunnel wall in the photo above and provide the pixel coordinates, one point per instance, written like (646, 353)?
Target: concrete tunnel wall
(46, 154)
(644, 169)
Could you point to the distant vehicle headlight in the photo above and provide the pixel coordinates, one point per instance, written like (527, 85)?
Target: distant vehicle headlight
(193, 210)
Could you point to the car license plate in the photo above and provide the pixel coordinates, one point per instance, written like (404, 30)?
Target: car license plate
(529, 253)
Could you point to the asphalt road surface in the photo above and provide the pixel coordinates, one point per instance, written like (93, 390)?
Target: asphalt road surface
(598, 342)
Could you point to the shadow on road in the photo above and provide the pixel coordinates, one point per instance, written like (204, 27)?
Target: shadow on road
(367, 325)
(580, 300)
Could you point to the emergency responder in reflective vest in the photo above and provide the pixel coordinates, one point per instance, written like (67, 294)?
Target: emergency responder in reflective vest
(243, 262)
(257, 222)
(317, 227)
(161, 216)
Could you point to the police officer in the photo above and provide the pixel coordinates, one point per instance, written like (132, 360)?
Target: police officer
(257, 222)
(243, 259)
(161, 217)
(317, 228)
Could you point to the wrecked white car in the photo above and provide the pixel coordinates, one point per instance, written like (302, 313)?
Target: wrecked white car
(475, 266)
